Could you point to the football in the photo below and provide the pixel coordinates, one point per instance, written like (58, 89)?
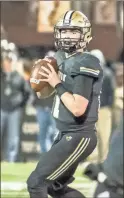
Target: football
(35, 77)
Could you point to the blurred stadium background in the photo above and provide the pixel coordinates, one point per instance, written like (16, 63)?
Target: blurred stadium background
(27, 35)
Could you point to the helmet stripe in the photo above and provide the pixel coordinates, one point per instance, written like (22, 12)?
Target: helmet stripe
(68, 16)
(64, 17)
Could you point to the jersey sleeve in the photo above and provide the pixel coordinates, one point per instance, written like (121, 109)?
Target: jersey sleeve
(88, 66)
(83, 86)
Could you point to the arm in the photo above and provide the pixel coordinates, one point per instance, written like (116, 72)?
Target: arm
(77, 102)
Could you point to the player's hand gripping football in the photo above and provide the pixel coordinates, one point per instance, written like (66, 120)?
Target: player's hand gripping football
(50, 75)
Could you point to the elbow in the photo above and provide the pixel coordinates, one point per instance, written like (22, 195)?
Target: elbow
(78, 112)
(80, 106)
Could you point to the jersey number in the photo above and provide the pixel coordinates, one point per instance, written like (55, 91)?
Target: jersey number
(56, 107)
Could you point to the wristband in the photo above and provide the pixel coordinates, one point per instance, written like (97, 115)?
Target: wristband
(60, 89)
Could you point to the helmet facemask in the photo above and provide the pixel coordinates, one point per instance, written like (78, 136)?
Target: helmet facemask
(71, 45)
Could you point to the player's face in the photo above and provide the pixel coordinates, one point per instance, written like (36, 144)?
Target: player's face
(69, 38)
(68, 34)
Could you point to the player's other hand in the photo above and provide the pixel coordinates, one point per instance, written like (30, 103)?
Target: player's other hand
(50, 75)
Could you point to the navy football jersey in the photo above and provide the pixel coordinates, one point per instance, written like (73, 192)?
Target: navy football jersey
(69, 67)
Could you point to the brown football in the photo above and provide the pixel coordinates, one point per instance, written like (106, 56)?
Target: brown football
(35, 82)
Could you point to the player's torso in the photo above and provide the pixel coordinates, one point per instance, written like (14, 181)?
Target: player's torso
(65, 119)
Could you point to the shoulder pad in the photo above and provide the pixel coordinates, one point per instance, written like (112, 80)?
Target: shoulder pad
(88, 65)
(60, 57)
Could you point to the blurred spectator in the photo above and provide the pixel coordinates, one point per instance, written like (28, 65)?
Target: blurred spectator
(46, 122)
(14, 95)
(43, 115)
(118, 99)
(104, 123)
(27, 65)
(45, 119)
(110, 180)
(109, 174)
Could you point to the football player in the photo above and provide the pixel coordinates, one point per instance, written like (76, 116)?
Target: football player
(75, 108)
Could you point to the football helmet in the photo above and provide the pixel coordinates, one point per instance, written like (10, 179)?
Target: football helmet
(72, 20)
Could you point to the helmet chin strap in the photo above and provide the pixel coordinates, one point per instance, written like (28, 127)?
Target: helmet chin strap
(74, 48)
(71, 49)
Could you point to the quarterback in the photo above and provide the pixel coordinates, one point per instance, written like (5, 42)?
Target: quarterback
(75, 109)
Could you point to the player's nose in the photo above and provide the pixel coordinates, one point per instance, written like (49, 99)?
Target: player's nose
(67, 35)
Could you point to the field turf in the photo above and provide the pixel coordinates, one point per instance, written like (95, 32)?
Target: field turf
(14, 175)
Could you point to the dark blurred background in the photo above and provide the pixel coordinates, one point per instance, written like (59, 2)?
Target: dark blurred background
(20, 21)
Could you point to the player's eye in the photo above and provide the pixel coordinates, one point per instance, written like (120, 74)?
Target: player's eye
(63, 31)
(75, 32)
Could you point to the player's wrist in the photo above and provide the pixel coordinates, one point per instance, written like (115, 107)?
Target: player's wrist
(60, 89)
